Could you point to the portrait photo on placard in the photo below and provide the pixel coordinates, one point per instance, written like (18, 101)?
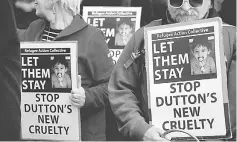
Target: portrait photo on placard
(60, 74)
(124, 30)
(202, 55)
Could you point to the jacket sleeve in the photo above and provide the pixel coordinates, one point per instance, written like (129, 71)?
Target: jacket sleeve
(10, 75)
(99, 66)
(232, 88)
(229, 36)
(123, 85)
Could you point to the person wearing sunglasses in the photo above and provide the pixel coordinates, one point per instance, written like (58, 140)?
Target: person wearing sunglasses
(127, 85)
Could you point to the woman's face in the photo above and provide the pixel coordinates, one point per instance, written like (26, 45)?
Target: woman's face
(43, 8)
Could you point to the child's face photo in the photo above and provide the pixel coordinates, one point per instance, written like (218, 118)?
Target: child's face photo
(124, 30)
(201, 53)
(60, 70)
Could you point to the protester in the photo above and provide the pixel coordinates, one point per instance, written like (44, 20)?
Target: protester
(61, 22)
(10, 75)
(128, 88)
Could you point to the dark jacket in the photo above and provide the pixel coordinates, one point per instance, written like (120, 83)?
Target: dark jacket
(10, 75)
(94, 66)
(128, 89)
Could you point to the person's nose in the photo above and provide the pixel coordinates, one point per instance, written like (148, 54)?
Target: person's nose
(199, 54)
(186, 6)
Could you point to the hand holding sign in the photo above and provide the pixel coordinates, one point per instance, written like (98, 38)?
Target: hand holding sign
(78, 96)
(155, 134)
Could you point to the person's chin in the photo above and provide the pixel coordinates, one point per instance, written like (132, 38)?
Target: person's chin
(181, 19)
(39, 14)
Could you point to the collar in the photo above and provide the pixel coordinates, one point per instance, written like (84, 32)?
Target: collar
(77, 24)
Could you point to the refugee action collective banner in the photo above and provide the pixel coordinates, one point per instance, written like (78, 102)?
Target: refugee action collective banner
(49, 71)
(187, 83)
(117, 23)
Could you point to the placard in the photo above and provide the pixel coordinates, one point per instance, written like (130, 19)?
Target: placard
(49, 72)
(186, 77)
(117, 23)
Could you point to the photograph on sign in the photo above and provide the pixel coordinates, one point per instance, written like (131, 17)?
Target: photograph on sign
(182, 61)
(124, 30)
(117, 23)
(49, 72)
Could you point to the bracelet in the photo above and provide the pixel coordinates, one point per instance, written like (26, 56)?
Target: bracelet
(171, 131)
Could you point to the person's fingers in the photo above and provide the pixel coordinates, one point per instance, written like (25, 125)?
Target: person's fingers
(78, 81)
(76, 98)
(158, 138)
(75, 95)
(75, 104)
(161, 132)
(168, 137)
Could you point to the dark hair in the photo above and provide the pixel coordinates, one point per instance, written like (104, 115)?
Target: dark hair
(60, 59)
(126, 21)
(201, 41)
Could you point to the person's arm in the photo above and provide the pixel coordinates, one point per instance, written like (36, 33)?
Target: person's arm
(232, 91)
(123, 85)
(229, 42)
(10, 75)
(99, 66)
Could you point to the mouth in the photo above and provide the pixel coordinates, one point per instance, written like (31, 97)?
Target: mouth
(59, 75)
(200, 59)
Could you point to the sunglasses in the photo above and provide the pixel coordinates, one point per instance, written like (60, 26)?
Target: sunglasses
(179, 3)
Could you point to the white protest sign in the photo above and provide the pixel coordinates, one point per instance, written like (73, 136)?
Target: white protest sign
(117, 23)
(187, 78)
(49, 71)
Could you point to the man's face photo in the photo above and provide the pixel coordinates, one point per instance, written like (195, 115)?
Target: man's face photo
(201, 53)
(188, 10)
(124, 30)
(60, 70)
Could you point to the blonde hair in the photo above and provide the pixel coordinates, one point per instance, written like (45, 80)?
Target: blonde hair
(72, 6)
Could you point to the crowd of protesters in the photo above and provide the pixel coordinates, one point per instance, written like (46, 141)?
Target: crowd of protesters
(110, 98)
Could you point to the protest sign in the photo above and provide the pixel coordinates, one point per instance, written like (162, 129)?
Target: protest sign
(186, 77)
(117, 23)
(49, 72)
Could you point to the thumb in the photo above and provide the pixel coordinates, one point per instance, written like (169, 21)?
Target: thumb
(163, 134)
(78, 81)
